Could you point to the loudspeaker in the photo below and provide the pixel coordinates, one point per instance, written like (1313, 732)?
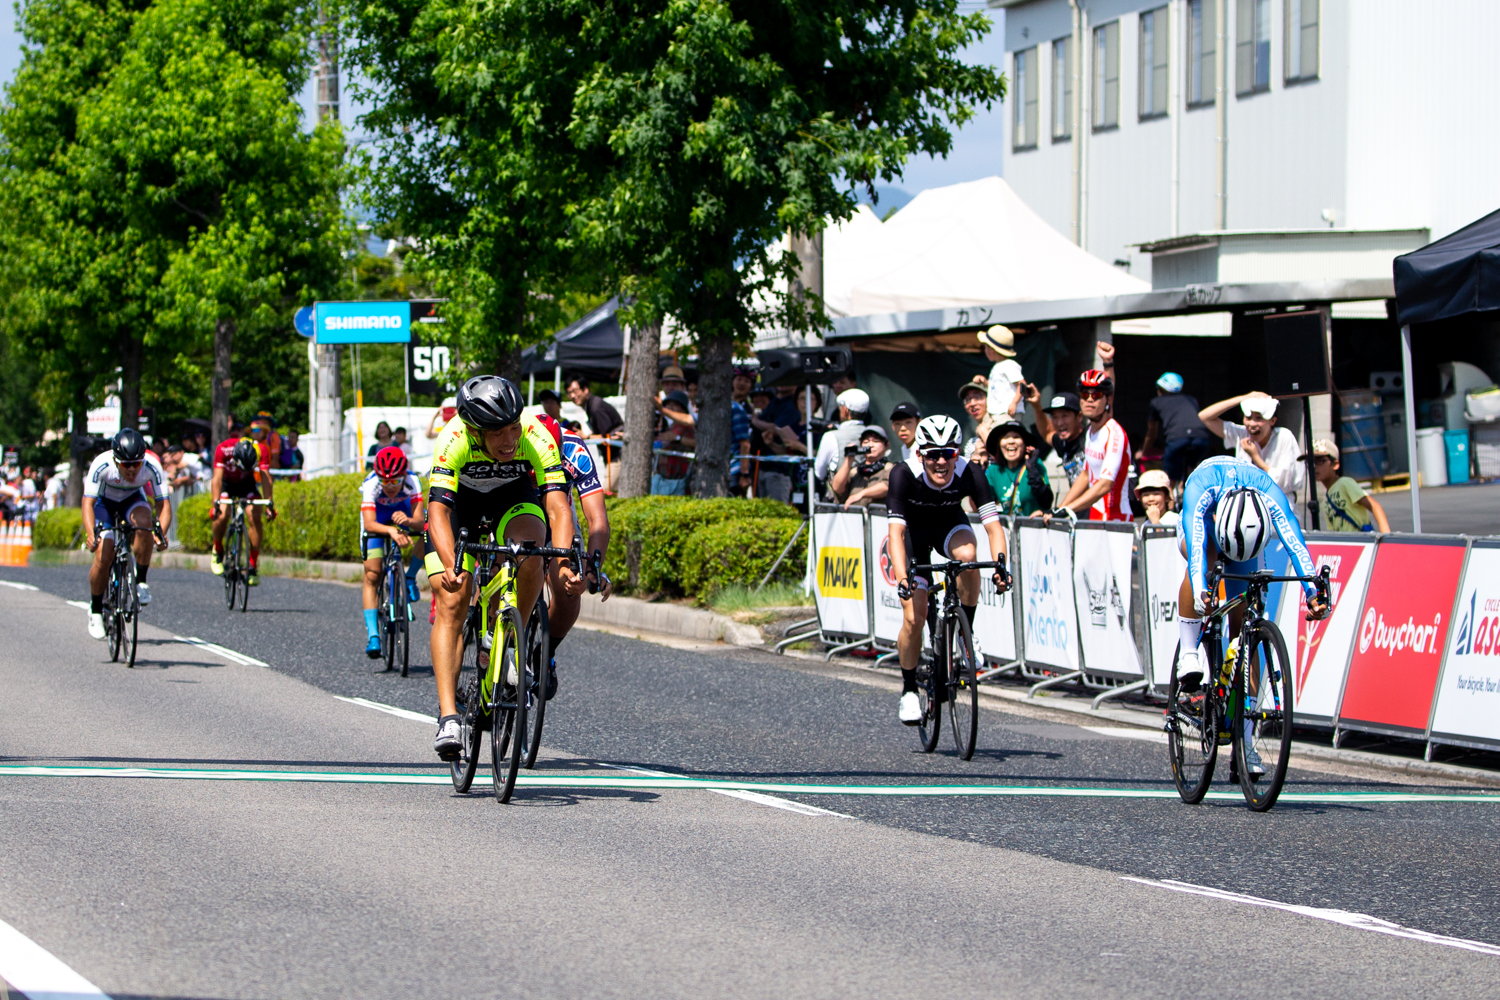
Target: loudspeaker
(1297, 354)
(805, 365)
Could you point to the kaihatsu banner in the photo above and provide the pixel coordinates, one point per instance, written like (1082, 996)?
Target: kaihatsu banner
(886, 602)
(839, 573)
(1164, 569)
(1320, 650)
(1045, 574)
(1403, 631)
(1101, 591)
(995, 618)
(1468, 697)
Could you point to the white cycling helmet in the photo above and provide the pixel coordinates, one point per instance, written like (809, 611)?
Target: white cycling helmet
(1242, 525)
(938, 431)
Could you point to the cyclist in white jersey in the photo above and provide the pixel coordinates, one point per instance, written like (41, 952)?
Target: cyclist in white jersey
(124, 483)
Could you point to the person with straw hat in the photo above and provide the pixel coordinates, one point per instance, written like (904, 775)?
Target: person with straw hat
(1005, 377)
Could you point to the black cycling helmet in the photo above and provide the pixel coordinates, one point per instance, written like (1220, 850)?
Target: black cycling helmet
(489, 402)
(246, 455)
(130, 446)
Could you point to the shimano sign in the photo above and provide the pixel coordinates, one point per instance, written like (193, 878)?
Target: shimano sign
(362, 322)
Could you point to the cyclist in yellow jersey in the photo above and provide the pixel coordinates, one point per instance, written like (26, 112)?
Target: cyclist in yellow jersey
(485, 461)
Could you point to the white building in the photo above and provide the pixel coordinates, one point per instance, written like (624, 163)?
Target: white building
(1354, 114)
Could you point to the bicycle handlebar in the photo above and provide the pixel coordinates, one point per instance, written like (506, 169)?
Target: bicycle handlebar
(518, 550)
(953, 565)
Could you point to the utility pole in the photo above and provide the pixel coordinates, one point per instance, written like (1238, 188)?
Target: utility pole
(326, 407)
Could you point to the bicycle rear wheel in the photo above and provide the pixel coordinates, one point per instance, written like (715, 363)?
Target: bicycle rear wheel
(471, 717)
(1192, 738)
(508, 734)
(963, 687)
(1263, 719)
(537, 634)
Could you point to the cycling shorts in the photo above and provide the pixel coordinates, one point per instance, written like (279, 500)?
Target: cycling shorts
(933, 533)
(499, 508)
(108, 513)
(246, 489)
(373, 546)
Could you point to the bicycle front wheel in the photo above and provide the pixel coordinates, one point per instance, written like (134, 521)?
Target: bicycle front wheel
(471, 717)
(231, 569)
(963, 687)
(1263, 716)
(508, 733)
(128, 622)
(1192, 738)
(243, 572)
(384, 623)
(538, 632)
(931, 725)
(401, 616)
(112, 619)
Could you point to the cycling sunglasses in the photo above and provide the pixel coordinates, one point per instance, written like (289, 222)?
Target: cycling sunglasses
(940, 454)
(1090, 394)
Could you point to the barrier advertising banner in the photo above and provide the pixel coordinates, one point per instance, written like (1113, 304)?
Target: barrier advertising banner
(839, 583)
(887, 602)
(1164, 569)
(1320, 650)
(1045, 573)
(995, 619)
(1403, 631)
(1101, 591)
(1468, 696)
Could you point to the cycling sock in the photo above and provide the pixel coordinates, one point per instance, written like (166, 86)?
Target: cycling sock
(219, 547)
(254, 558)
(969, 610)
(96, 604)
(412, 567)
(909, 680)
(140, 574)
(553, 641)
(1189, 632)
(371, 625)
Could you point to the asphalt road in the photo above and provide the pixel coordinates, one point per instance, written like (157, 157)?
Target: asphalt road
(200, 888)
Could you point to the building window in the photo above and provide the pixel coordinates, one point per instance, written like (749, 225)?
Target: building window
(1153, 88)
(1252, 47)
(1107, 75)
(1301, 40)
(1062, 89)
(1200, 50)
(1023, 121)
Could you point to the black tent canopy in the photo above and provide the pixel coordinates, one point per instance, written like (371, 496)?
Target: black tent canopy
(1454, 276)
(594, 344)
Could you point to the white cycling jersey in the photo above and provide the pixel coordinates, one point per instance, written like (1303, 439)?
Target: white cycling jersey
(104, 480)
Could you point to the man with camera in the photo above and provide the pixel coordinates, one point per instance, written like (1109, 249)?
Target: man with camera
(864, 475)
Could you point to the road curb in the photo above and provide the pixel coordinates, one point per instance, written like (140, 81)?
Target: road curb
(669, 619)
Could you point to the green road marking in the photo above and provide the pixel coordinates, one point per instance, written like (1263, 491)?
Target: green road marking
(632, 783)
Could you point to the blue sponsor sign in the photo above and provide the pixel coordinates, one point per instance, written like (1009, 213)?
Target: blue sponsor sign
(363, 322)
(303, 321)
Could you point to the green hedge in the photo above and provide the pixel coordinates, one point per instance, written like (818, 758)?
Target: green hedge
(741, 550)
(317, 519)
(192, 517)
(61, 528)
(648, 535)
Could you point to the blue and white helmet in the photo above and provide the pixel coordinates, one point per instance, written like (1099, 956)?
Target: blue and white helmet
(1242, 525)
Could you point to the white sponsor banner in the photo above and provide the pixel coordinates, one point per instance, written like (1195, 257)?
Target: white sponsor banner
(839, 573)
(1320, 650)
(995, 619)
(1468, 698)
(1101, 592)
(1164, 569)
(887, 603)
(1046, 576)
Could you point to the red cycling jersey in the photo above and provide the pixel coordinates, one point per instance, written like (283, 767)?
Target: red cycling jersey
(233, 473)
(1107, 454)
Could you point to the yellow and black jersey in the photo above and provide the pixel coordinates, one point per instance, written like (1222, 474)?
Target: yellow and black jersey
(460, 465)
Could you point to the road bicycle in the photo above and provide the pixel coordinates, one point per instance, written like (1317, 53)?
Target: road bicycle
(237, 553)
(122, 606)
(393, 608)
(500, 691)
(1253, 681)
(951, 675)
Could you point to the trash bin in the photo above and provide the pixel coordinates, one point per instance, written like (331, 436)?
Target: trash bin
(1432, 457)
(1456, 443)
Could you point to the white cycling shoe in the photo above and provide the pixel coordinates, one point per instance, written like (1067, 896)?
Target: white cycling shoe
(96, 626)
(910, 712)
(142, 594)
(1253, 763)
(1190, 668)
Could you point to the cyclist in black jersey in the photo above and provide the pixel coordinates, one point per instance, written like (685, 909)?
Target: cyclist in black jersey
(925, 504)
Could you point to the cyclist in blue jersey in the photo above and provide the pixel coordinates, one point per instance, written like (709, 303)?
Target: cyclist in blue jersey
(390, 512)
(1229, 510)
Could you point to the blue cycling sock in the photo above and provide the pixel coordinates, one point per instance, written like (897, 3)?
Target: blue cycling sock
(371, 625)
(412, 567)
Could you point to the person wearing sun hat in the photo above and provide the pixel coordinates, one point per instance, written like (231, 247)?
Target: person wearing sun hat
(1258, 440)
(1154, 491)
(1005, 377)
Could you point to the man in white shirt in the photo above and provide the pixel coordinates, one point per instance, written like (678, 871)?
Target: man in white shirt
(1258, 440)
(854, 414)
(1005, 377)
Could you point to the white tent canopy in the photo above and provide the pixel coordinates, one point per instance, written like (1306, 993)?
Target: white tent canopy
(966, 244)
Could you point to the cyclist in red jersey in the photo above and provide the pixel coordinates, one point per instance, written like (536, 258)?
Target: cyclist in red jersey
(242, 468)
(1101, 496)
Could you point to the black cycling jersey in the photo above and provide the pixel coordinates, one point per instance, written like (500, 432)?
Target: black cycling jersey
(913, 498)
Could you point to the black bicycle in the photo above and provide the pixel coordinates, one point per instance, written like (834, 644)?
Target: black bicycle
(393, 609)
(951, 674)
(1251, 683)
(122, 603)
(237, 553)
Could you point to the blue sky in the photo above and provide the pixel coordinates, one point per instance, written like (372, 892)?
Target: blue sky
(976, 152)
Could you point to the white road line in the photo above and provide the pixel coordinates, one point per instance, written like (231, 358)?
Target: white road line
(80, 604)
(758, 798)
(399, 713)
(36, 973)
(213, 647)
(20, 586)
(1348, 918)
(1149, 735)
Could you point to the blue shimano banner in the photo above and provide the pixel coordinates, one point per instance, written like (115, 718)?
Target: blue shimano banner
(363, 322)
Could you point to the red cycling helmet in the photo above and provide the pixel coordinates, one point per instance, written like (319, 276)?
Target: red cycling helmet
(1096, 379)
(390, 462)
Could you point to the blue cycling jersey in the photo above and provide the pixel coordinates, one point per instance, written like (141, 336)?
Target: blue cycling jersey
(1216, 477)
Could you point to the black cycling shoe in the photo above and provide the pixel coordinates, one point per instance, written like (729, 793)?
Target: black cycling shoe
(552, 681)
